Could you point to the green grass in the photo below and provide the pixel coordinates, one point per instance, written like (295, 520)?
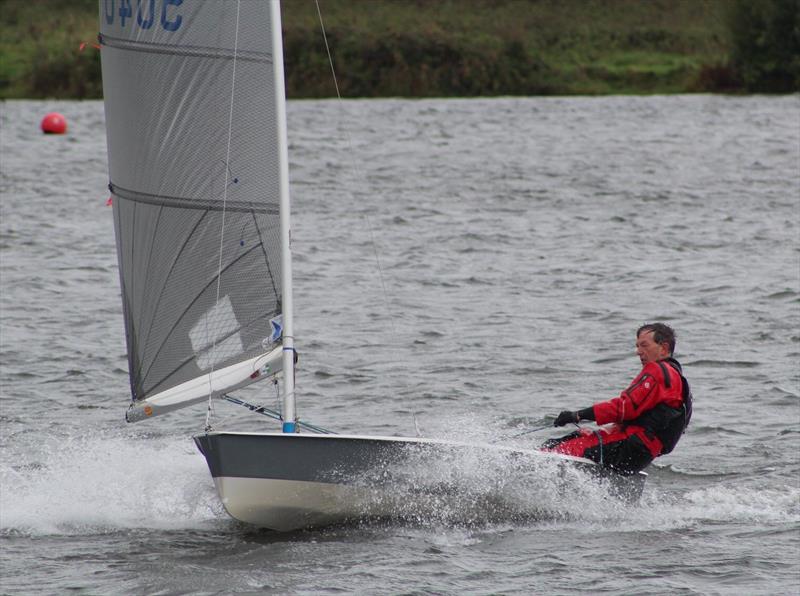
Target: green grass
(39, 49)
(419, 47)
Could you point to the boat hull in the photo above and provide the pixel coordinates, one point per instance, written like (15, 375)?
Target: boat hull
(286, 505)
(287, 482)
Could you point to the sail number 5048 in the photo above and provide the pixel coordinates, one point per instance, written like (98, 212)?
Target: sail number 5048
(145, 13)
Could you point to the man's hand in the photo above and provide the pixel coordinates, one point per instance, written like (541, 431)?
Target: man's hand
(565, 418)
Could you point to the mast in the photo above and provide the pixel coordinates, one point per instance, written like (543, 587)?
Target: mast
(286, 252)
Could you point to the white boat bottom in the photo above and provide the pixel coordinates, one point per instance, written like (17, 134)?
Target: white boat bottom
(286, 505)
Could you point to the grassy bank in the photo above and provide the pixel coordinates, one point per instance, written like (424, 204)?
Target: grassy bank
(517, 47)
(423, 48)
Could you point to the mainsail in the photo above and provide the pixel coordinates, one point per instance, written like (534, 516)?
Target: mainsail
(194, 120)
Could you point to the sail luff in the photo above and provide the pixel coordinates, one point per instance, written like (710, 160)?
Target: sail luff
(285, 213)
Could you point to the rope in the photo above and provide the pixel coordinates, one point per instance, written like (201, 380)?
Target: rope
(600, 443)
(275, 415)
(328, 49)
(361, 175)
(278, 397)
(224, 205)
(526, 432)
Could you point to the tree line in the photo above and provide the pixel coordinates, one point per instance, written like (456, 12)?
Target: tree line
(462, 48)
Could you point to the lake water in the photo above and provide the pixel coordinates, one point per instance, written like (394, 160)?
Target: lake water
(477, 264)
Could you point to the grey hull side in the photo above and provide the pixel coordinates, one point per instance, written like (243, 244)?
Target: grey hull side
(291, 481)
(306, 458)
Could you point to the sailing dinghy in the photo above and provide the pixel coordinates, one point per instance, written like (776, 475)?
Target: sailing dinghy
(198, 168)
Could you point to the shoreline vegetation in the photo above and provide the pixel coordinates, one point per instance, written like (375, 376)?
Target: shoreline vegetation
(458, 48)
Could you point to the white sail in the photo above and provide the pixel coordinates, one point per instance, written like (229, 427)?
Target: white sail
(197, 170)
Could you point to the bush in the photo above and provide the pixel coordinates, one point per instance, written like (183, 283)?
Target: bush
(765, 37)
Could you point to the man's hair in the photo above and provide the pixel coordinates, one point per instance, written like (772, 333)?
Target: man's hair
(661, 334)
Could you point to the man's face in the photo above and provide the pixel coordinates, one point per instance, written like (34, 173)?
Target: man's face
(648, 350)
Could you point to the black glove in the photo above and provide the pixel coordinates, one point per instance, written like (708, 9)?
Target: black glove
(565, 418)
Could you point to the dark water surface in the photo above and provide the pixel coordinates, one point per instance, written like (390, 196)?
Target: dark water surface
(520, 243)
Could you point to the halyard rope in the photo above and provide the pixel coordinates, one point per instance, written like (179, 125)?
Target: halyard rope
(328, 49)
(224, 204)
(360, 175)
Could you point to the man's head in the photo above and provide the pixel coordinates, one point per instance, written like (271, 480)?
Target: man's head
(654, 342)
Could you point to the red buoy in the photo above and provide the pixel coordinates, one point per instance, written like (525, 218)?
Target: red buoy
(54, 124)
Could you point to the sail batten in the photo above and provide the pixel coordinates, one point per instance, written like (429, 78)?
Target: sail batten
(196, 51)
(192, 202)
(196, 185)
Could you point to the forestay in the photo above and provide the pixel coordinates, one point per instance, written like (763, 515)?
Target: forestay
(195, 176)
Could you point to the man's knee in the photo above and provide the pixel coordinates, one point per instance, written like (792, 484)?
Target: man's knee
(628, 456)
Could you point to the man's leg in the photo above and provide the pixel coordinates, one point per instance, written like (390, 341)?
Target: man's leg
(576, 443)
(626, 456)
(550, 444)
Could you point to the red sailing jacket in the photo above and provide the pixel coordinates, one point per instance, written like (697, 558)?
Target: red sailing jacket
(647, 391)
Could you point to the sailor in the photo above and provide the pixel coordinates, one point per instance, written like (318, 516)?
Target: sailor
(647, 418)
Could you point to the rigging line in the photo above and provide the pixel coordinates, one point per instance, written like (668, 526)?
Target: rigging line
(530, 430)
(278, 399)
(362, 176)
(275, 414)
(328, 49)
(224, 203)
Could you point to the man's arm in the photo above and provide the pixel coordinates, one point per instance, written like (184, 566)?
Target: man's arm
(639, 397)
